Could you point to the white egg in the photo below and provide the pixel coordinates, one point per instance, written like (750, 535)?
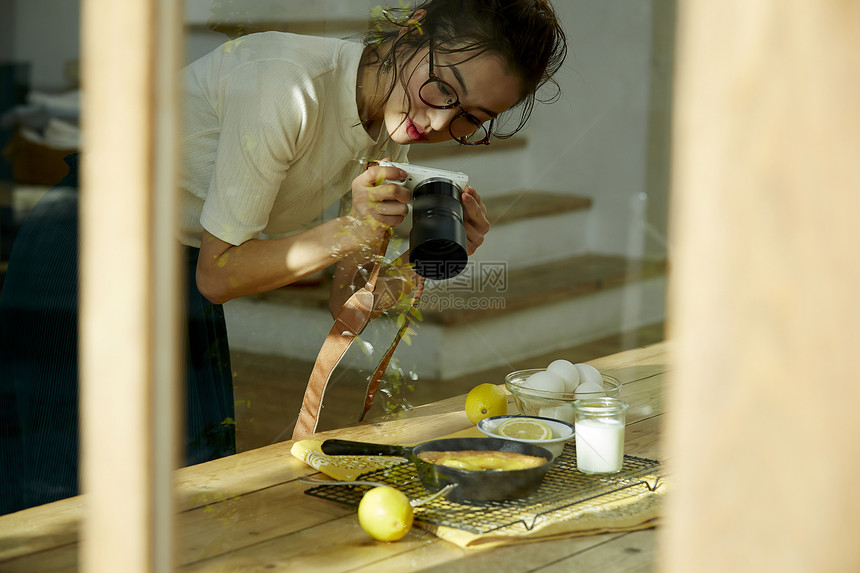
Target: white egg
(567, 372)
(589, 390)
(545, 381)
(563, 413)
(588, 373)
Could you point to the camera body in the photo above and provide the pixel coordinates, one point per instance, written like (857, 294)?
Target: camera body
(418, 174)
(437, 240)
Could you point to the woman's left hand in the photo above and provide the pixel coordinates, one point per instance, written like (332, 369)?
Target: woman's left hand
(476, 222)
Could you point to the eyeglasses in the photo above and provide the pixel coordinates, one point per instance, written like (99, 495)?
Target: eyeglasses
(465, 128)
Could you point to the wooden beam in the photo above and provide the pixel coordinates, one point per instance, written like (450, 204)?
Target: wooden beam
(764, 433)
(129, 277)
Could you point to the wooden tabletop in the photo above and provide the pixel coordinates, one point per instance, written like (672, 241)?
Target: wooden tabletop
(248, 512)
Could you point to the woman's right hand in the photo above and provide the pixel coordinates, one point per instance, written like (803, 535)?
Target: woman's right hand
(376, 200)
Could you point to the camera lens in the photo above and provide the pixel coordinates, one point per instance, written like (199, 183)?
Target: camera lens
(437, 241)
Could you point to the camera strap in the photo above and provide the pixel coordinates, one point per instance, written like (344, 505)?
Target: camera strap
(373, 384)
(350, 321)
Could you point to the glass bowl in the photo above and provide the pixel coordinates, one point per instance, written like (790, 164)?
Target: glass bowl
(555, 405)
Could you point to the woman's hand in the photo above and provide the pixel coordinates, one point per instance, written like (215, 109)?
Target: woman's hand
(376, 200)
(476, 221)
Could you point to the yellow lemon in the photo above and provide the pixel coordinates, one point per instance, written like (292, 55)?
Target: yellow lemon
(525, 429)
(385, 513)
(485, 400)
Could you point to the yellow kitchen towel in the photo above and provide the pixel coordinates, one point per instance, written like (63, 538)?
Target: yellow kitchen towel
(626, 510)
(342, 468)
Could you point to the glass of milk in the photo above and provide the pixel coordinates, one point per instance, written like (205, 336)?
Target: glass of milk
(599, 434)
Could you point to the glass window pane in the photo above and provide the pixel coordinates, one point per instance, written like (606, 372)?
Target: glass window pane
(39, 135)
(574, 266)
(578, 198)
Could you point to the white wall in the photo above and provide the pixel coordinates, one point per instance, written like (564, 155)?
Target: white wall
(7, 30)
(289, 10)
(593, 141)
(198, 14)
(47, 35)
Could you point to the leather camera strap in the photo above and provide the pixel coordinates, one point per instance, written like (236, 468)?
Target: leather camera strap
(373, 384)
(349, 323)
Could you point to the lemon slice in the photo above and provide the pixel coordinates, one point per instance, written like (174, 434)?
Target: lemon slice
(525, 429)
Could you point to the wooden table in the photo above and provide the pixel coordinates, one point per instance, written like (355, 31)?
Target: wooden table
(248, 512)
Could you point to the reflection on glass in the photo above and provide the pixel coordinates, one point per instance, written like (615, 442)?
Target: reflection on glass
(39, 133)
(590, 187)
(574, 200)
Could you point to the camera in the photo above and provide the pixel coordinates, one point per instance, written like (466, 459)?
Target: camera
(437, 240)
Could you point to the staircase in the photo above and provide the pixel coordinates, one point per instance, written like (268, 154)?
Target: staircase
(529, 290)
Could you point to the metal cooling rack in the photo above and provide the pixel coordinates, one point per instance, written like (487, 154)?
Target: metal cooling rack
(562, 487)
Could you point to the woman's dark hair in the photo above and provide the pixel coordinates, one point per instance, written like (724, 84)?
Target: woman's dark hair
(525, 33)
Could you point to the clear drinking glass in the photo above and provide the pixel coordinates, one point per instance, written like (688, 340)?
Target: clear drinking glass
(599, 434)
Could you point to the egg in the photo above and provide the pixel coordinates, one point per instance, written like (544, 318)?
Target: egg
(588, 373)
(567, 371)
(545, 381)
(589, 390)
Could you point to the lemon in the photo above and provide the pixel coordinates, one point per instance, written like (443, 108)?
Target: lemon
(385, 513)
(525, 429)
(485, 400)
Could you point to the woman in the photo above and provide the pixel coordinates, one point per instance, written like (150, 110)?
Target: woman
(277, 127)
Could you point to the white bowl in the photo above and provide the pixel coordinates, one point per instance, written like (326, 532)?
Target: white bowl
(561, 432)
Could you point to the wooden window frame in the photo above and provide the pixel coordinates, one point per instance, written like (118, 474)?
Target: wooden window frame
(129, 278)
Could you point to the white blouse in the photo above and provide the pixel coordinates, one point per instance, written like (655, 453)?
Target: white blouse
(271, 136)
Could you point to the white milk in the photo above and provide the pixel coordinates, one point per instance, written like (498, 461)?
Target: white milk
(599, 445)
